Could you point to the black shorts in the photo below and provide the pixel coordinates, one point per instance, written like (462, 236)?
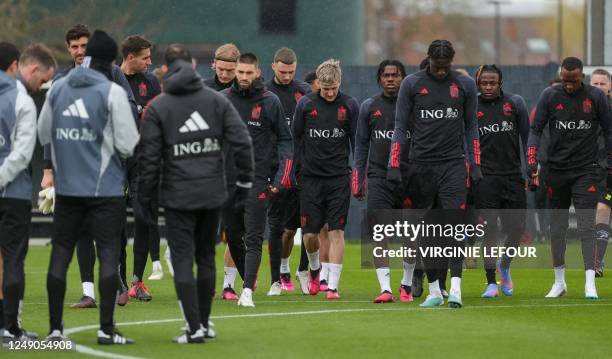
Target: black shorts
(324, 200)
(284, 208)
(500, 192)
(382, 194)
(436, 185)
(292, 210)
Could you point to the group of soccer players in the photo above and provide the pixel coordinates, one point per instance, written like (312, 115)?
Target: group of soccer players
(234, 153)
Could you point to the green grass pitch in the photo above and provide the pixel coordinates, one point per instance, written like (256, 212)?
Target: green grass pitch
(295, 326)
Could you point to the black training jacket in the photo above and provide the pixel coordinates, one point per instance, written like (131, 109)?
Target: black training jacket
(263, 114)
(183, 134)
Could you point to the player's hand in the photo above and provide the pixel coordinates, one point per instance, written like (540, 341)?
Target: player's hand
(47, 180)
(273, 190)
(47, 200)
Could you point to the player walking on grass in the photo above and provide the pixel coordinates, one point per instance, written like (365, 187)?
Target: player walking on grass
(88, 122)
(262, 112)
(372, 147)
(575, 112)
(232, 224)
(324, 127)
(503, 124)
(136, 52)
(17, 141)
(184, 132)
(284, 210)
(438, 106)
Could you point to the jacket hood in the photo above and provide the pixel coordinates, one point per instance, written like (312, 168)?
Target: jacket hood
(7, 83)
(255, 88)
(84, 77)
(182, 78)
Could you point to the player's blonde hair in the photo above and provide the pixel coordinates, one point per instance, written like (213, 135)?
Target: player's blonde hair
(329, 72)
(227, 52)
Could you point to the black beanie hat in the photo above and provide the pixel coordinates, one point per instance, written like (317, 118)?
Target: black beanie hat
(101, 47)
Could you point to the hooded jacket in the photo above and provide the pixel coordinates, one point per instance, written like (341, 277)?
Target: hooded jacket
(17, 139)
(88, 122)
(262, 112)
(184, 132)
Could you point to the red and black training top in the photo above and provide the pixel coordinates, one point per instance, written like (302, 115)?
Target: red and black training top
(441, 118)
(503, 124)
(373, 139)
(324, 134)
(574, 121)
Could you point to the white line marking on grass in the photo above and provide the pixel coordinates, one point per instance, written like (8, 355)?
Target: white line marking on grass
(98, 353)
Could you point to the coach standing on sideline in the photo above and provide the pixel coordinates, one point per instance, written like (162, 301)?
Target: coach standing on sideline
(88, 122)
(183, 133)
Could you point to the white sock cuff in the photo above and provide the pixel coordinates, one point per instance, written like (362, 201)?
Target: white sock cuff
(89, 290)
(313, 260)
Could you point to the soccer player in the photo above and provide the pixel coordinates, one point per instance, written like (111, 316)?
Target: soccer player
(88, 122)
(224, 64)
(324, 127)
(136, 52)
(283, 209)
(503, 125)
(575, 112)
(438, 106)
(184, 131)
(18, 75)
(262, 112)
(600, 78)
(372, 147)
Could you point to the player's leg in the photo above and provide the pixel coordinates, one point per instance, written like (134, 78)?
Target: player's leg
(338, 199)
(292, 223)
(513, 219)
(154, 239)
(324, 244)
(452, 197)
(233, 226)
(141, 251)
(15, 217)
(180, 229)
(67, 227)
(312, 220)
(208, 221)
(602, 230)
(276, 208)
(255, 222)
(123, 297)
(106, 218)
(559, 196)
(584, 195)
(380, 199)
(86, 258)
(487, 198)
